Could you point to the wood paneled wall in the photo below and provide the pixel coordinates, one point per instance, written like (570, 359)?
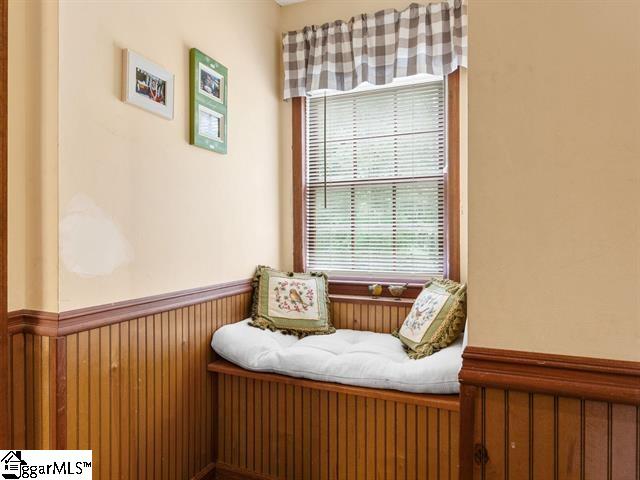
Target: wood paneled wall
(280, 430)
(376, 315)
(540, 415)
(32, 361)
(538, 436)
(139, 395)
(137, 392)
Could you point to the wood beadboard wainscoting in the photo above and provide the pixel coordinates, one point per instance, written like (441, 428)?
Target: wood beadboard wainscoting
(277, 427)
(32, 382)
(541, 416)
(379, 314)
(127, 380)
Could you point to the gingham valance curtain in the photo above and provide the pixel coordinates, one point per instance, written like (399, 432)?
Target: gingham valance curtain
(376, 48)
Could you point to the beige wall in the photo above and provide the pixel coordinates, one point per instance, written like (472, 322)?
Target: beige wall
(317, 12)
(127, 228)
(33, 155)
(554, 177)
(141, 211)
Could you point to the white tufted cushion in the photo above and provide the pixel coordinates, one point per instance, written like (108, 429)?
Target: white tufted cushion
(366, 359)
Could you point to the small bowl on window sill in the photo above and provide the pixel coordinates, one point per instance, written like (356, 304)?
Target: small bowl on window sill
(397, 290)
(375, 290)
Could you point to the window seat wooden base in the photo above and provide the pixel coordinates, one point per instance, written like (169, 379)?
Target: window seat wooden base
(275, 426)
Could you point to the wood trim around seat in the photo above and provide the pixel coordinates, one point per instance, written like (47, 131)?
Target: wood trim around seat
(444, 402)
(614, 381)
(73, 321)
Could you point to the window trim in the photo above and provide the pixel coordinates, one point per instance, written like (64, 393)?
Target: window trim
(356, 284)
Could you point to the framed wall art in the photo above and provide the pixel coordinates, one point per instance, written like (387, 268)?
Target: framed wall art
(208, 102)
(147, 85)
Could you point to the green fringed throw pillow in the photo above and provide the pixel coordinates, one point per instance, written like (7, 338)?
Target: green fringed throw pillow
(435, 320)
(294, 303)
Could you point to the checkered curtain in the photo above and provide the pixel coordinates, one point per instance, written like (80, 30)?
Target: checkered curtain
(376, 48)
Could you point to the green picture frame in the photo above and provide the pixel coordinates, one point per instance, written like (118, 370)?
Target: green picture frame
(208, 93)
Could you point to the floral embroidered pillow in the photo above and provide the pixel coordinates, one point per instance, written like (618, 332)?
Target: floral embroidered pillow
(294, 303)
(436, 318)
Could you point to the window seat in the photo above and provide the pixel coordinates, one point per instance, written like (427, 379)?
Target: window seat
(348, 357)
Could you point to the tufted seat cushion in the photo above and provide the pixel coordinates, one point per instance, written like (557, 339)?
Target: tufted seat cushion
(352, 357)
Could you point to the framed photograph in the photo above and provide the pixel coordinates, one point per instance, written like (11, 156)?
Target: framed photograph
(208, 102)
(211, 83)
(147, 85)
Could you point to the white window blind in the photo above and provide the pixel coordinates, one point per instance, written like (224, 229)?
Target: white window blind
(385, 161)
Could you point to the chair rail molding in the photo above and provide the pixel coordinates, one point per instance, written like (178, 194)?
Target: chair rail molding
(73, 321)
(539, 415)
(584, 377)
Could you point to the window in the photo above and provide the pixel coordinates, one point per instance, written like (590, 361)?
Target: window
(377, 203)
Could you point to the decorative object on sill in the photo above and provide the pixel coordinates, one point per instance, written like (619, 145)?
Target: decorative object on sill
(147, 85)
(293, 303)
(376, 48)
(436, 318)
(397, 290)
(207, 102)
(375, 290)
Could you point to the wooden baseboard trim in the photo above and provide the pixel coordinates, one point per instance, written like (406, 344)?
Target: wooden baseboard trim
(228, 472)
(582, 377)
(207, 473)
(74, 321)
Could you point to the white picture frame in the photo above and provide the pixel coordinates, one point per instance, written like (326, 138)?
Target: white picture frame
(147, 85)
(210, 124)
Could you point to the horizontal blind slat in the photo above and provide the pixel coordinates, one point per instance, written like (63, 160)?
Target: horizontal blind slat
(385, 153)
